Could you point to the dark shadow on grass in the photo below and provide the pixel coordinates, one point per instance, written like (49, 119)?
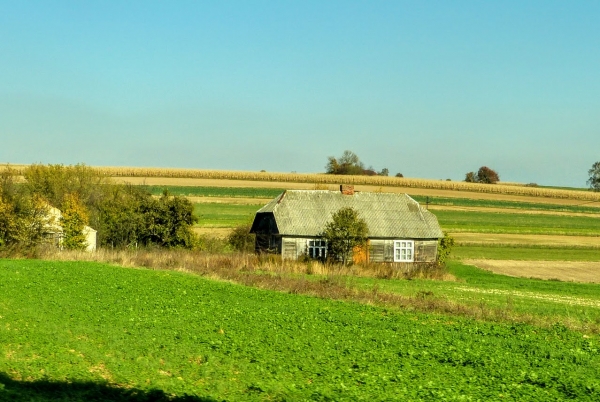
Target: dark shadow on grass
(84, 391)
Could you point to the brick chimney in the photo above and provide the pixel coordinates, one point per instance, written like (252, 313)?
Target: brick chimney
(347, 189)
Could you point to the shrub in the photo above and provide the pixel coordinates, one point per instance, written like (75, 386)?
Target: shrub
(444, 248)
(241, 239)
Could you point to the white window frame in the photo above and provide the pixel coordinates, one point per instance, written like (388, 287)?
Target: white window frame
(316, 248)
(404, 251)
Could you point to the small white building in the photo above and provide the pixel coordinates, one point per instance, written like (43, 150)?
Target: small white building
(54, 232)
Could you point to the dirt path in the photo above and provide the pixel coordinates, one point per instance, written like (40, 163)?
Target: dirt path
(165, 181)
(525, 239)
(562, 270)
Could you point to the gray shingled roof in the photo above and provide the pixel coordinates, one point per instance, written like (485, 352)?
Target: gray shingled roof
(388, 215)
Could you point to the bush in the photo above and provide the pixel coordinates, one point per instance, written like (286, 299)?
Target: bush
(241, 239)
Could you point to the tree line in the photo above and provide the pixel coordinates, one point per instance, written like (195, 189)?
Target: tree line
(123, 215)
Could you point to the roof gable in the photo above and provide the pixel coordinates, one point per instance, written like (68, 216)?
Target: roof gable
(388, 215)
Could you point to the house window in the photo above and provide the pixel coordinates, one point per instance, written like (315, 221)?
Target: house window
(404, 250)
(317, 249)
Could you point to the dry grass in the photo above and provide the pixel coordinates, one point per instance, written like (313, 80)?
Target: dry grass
(324, 180)
(314, 279)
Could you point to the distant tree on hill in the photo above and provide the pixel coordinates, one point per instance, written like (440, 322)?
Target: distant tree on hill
(594, 180)
(348, 163)
(484, 175)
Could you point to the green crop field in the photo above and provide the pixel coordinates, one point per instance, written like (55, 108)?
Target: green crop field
(226, 192)
(469, 202)
(224, 215)
(501, 222)
(81, 331)
(526, 253)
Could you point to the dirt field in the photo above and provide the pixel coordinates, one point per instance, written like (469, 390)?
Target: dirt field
(561, 270)
(162, 181)
(524, 239)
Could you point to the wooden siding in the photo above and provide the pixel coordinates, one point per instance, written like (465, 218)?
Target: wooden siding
(382, 250)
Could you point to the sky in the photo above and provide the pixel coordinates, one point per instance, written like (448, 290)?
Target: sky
(430, 89)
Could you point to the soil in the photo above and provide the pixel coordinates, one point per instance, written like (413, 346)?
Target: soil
(526, 239)
(588, 272)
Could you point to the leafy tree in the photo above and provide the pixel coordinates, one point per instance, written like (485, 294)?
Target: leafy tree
(487, 175)
(73, 222)
(594, 180)
(345, 231)
(384, 172)
(484, 175)
(131, 217)
(348, 163)
(399, 175)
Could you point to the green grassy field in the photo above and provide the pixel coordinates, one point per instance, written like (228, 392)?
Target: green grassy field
(224, 215)
(85, 328)
(531, 253)
(501, 222)
(468, 202)
(227, 192)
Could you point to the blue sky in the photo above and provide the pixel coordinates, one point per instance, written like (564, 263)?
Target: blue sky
(432, 89)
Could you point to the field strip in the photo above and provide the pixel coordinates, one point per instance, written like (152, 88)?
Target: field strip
(185, 182)
(212, 232)
(562, 270)
(229, 200)
(572, 301)
(510, 211)
(524, 239)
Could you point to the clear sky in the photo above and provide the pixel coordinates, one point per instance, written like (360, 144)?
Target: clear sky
(432, 89)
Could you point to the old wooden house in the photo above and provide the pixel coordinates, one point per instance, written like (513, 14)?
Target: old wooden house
(400, 230)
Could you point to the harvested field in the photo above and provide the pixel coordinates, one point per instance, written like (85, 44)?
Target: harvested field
(525, 239)
(588, 272)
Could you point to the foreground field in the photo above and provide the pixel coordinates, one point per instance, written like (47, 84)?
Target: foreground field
(148, 333)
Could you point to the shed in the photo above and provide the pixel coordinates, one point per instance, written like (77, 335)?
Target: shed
(400, 230)
(54, 232)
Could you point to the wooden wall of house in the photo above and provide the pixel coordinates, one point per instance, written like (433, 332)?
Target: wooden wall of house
(293, 247)
(382, 250)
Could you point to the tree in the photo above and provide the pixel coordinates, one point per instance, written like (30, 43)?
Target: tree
(470, 177)
(348, 163)
(384, 172)
(484, 175)
(487, 175)
(594, 180)
(73, 222)
(343, 233)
